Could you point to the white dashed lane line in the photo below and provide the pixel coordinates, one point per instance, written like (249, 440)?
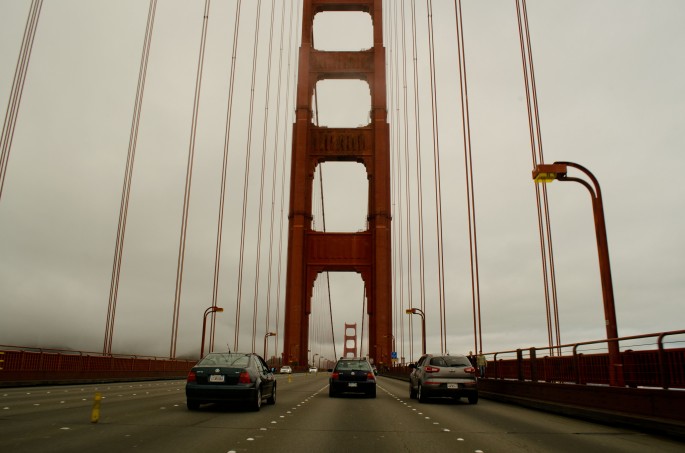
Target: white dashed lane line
(413, 409)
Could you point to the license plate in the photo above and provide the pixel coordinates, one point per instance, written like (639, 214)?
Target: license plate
(216, 378)
(452, 386)
(352, 384)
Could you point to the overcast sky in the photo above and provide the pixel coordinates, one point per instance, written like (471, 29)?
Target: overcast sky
(611, 96)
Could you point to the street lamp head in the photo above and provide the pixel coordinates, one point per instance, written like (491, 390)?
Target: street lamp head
(270, 334)
(218, 309)
(549, 172)
(410, 311)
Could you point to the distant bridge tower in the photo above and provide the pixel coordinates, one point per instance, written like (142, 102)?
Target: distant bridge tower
(350, 349)
(366, 252)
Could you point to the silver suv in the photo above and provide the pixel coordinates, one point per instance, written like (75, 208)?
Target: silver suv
(443, 375)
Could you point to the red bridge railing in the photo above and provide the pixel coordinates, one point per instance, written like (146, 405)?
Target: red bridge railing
(657, 362)
(21, 365)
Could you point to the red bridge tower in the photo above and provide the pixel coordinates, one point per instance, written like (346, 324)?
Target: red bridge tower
(366, 252)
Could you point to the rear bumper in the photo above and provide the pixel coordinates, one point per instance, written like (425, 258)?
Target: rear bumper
(220, 394)
(440, 389)
(353, 387)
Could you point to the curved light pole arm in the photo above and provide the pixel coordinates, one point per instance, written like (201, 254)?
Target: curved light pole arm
(615, 376)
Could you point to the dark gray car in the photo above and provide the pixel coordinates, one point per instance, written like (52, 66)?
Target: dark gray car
(443, 376)
(352, 375)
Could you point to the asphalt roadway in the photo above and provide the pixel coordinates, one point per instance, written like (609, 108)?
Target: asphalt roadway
(152, 417)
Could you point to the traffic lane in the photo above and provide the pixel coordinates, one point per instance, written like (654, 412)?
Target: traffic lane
(358, 423)
(493, 426)
(59, 419)
(304, 418)
(147, 419)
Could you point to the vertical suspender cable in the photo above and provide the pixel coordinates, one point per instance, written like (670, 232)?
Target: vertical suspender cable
(544, 224)
(260, 215)
(419, 177)
(189, 178)
(224, 175)
(18, 88)
(470, 192)
(290, 108)
(438, 184)
(267, 322)
(323, 211)
(548, 224)
(396, 159)
(410, 267)
(323, 221)
(128, 177)
(395, 274)
(247, 177)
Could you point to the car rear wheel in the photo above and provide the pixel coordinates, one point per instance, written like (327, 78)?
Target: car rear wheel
(372, 393)
(192, 405)
(331, 393)
(272, 398)
(412, 392)
(257, 403)
(473, 399)
(421, 395)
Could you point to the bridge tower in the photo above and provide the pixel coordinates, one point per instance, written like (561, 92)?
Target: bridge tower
(350, 345)
(366, 252)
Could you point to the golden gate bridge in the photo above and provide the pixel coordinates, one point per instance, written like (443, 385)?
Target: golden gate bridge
(383, 88)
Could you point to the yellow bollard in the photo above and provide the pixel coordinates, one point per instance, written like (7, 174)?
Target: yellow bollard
(95, 414)
(290, 377)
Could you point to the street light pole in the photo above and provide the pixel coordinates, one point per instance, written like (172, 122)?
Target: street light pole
(212, 309)
(548, 173)
(267, 335)
(418, 311)
(393, 347)
(314, 358)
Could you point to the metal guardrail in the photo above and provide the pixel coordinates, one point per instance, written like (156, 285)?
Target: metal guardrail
(25, 364)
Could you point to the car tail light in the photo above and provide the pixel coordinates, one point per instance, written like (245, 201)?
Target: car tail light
(370, 376)
(470, 369)
(244, 378)
(335, 375)
(192, 377)
(431, 369)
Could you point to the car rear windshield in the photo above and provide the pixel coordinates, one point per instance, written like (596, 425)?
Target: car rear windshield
(225, 359)
(449, 361)
(353, 365)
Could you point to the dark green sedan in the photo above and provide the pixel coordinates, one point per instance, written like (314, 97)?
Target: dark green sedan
(230, 377)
